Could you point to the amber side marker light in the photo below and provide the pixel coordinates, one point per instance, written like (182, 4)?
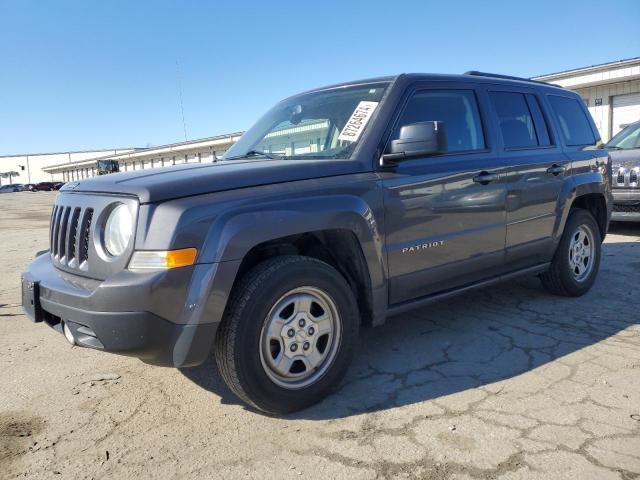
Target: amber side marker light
(162, 260)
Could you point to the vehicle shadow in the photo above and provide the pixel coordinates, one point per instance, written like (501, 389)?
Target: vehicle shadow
(473, 340)
(625, 228)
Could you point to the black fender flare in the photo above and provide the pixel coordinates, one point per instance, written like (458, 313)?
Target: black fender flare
(235, 232)
(572, 189)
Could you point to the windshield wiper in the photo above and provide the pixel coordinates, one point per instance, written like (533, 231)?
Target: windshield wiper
(254, 153)
(612, 147)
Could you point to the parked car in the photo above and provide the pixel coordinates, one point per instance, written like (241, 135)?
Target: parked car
(624, 149)
(45, 186)
(30, 187)
(58, 185)
(12, 187)
(340, 206)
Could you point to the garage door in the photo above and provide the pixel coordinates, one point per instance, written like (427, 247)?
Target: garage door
(626, 110)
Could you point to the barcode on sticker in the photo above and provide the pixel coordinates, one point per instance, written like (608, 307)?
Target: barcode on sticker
(358, 120)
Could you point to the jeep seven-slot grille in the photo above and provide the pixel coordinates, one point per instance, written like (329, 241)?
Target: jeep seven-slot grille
(69, 234)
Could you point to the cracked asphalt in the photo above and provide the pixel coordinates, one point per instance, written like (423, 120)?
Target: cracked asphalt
(506, 382)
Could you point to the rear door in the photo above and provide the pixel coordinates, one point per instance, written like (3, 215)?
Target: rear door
(445, 226)
(579, 135)
(536, 170)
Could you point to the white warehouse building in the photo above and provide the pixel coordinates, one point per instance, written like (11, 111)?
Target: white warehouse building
(196, 151)
(610, 90)
(31, 168)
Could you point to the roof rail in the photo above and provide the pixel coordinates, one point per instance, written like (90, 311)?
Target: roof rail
(476, 73)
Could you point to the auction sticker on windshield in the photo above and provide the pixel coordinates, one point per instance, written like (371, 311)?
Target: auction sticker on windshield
(358, 120)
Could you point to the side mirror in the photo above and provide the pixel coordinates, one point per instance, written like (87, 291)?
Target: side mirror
(418, 140)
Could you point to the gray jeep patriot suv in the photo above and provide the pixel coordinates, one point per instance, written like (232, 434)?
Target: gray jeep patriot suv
(339, 207)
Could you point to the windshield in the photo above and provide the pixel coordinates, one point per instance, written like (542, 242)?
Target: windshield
(627, 139)
(325, 124)
(108, 166)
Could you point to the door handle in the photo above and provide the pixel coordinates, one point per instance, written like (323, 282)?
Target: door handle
(485, 178)
(556, 169)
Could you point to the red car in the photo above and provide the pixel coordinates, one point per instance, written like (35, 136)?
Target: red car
(44, 187)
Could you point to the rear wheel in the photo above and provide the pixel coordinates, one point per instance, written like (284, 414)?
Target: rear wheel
(576, 262)
(288, 335)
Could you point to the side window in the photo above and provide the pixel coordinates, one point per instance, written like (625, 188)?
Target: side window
(574, 124)
(458, 109)
(516, 122)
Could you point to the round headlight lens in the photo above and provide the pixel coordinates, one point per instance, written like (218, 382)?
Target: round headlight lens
(118, 230)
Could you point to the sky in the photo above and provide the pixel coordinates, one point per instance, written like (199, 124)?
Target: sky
(82, 75)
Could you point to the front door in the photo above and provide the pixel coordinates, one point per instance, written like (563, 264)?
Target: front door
(445, 214)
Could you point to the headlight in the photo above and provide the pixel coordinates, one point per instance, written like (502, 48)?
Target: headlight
(118, 230)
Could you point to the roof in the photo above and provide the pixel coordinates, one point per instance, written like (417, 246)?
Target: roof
(481, 77)
(471, 75)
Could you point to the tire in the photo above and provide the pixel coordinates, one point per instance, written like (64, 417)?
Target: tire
(565, 277)
(257, 328)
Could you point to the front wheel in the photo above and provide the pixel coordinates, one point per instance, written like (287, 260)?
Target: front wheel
(288, 334)
(576, 262)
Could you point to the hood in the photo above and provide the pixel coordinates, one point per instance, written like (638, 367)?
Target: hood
(167, 183)
(625, 158)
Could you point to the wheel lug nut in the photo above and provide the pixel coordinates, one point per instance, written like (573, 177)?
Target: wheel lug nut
(294, 347)
(301, 322)
(306, 346)
(291, 332)
(311, 331)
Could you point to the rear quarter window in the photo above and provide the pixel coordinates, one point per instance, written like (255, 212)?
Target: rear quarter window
(572, 120)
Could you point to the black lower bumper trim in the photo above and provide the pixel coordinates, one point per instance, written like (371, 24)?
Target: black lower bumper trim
(139, 334)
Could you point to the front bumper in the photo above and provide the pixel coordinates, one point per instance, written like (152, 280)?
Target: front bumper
(145, 315)
(626, 205)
